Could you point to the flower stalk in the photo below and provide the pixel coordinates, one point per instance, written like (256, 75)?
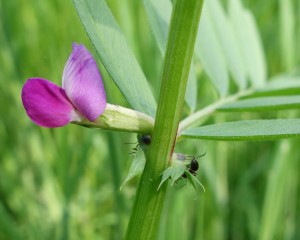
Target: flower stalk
(196, 117)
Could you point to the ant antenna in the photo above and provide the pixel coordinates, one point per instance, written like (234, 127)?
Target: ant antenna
(201, 155)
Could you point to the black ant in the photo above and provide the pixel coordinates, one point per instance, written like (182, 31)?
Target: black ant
(142, 141)
(193, 166)
(146, 139)
(134, 150)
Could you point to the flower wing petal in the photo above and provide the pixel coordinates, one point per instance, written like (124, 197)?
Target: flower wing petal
(47, 104)
(83, 83)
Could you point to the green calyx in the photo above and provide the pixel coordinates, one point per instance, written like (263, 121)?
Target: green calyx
(117, 118)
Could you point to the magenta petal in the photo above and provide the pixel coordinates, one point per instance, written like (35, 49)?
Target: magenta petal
(47, 104)
(83, 83)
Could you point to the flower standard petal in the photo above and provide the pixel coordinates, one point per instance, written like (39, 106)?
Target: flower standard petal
(47, 104)
(83, 83)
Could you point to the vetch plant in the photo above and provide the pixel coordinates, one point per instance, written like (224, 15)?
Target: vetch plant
(224, 51)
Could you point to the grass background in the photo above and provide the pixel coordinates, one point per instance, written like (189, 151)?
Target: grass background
(64, 183)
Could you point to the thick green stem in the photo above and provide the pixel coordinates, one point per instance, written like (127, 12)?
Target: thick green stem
(144, 221)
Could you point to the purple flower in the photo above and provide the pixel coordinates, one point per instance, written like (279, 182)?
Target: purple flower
(82, 94)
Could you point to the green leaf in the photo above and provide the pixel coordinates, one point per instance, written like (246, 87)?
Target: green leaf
(263, 103)
(194, 181)
(180, 183)
(280, 85)
(165, 176)
(115, 54)
(209, 51)
(137, 165)
(249, 42)
(159, 15)
(174, 172)
(228, 41)
(257, 67)
(249, 130)
(288, 33)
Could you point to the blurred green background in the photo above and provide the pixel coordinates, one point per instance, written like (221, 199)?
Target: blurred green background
(64, 183)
